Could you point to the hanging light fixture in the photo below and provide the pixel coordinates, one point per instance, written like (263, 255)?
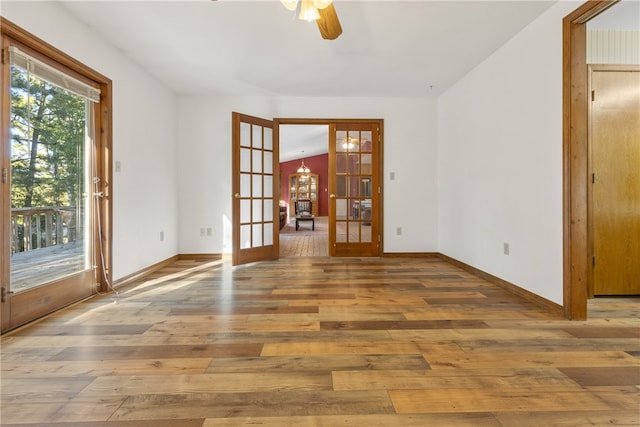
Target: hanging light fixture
(308, 11)
(304, 168)
(308, 8)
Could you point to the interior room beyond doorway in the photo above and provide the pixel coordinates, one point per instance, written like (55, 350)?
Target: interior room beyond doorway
(308, 144)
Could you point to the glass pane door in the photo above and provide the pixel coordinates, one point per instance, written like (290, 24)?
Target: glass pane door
(255, 193)
(354, 199)
(49, 182)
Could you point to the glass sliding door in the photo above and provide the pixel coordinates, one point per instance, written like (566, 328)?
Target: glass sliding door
(52, 183)
(50, 179)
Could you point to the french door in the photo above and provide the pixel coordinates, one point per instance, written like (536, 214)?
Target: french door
(354, 188)
(55, 250)
(255, 189)
(355, 200)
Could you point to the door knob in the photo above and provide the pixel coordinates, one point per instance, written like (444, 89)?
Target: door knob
(237, 195)
(332, 196)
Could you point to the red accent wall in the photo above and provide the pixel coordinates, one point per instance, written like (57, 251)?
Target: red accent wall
(318, 164)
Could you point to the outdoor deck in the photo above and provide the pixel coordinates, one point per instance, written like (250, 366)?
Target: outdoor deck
(32, 268)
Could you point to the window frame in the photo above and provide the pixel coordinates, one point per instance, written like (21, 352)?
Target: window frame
(13, 35)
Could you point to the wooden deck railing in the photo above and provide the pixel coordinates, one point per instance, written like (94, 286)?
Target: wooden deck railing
(41, 227)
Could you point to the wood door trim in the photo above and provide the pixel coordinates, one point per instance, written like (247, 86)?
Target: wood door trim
(5, 190)
(575, 156)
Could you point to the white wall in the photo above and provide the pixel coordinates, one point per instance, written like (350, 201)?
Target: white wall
(144, 137)
(480, 167)
(613, 46)
(410, 201)
(500, 160)
(204, 168)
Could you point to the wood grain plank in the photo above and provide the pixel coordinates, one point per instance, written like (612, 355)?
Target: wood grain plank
(567, 344)
(320, 363)
(529, 359)
(620, 398)
(101, 368)
(512, 379)
(331, 348)
(61, 411)
(488, 312)
(233, 325)
(604, 376)
(407, 324)
(88, 329)
(236, 382)
(204, 311)
(616, 332)
(474, 334)
(378, 420)
(151, 351)
(569, 418)
(300, 403)
(480, 400)
(62, 389)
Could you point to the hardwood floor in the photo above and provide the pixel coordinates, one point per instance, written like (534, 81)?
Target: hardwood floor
(322, 342)
(305, 241)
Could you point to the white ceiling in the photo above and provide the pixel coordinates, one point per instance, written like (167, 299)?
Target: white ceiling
(411, 48)
(235, 47)
(298, 141)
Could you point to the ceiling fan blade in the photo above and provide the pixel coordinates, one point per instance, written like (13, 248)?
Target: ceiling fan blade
(328, 24)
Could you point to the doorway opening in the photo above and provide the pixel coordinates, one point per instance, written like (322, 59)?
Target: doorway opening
(304, 176)
(354, 185)
(577, 261)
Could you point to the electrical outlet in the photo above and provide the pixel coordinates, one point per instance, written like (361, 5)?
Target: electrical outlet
(398, 231)
(505, 248)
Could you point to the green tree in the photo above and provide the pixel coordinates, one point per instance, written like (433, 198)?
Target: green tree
(47, 133)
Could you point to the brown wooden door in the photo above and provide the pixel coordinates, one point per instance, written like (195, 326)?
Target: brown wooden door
(255, 189)
(355, 190)
(615, 164)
